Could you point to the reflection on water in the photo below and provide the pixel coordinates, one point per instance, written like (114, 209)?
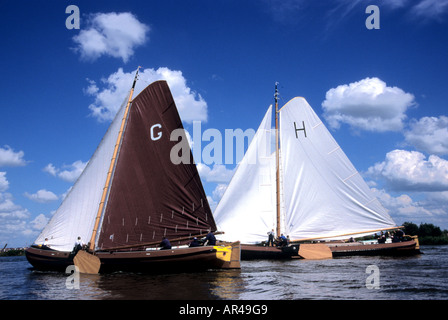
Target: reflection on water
(417, 277)
(220, 284)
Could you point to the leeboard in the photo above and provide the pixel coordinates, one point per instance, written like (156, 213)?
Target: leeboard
(315, 251)
(87, 263)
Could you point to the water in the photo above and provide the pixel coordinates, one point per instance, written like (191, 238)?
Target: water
(422, 277)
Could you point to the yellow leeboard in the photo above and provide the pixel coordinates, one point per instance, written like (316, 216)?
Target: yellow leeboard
(223, 253)
(230, 255)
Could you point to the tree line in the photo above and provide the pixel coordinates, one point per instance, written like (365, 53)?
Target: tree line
(427, 233)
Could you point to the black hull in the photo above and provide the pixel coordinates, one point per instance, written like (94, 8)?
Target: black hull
(254, 252)
(190, 261)
(405, 248)
(49, 260)
(156, 261)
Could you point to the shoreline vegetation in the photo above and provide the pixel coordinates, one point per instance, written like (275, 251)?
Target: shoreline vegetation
(428, 234)
(10, 252)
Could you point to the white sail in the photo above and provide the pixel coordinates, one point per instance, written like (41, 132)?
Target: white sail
(246, 212)
(76, 215)
(324, 195)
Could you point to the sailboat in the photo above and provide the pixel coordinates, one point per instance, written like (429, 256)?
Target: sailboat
(130, 196)
(306, 189)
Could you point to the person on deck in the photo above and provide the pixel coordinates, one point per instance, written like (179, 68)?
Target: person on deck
(382, 238)
(165, 244)
(210, 239)
(271, 238)
(398, 236)
(195, 243)
(78, 245)
(282, 241)
(46, 245)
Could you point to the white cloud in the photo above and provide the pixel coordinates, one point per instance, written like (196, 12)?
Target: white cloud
(70, 174)
(219, 173)
(13, 219)
(115, 91)
(6, 203)
(219, 191)
(42, 196)
(402, 205)
(112, 34)
(73, 172)
(212, 203)
(368, 104)
(51, 169)
(420, 10)
(430, 9)
(284, 11)
(432, 207)
(411, 171)
(437, 203)
(8, 157)
(429, 134)
(39, 222)
(217, 194)
(4, 183)
(394, 4)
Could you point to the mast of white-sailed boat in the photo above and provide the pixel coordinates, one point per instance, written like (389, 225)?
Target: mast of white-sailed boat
(277, 168)
(111, 167)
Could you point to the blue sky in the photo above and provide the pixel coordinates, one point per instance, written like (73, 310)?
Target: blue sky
(381, 92)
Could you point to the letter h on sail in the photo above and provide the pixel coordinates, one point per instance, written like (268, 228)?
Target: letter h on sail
(302, 129)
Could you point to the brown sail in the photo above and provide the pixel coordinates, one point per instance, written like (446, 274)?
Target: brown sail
(150, 196)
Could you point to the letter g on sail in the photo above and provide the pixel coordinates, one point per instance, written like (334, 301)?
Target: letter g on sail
(158, 133)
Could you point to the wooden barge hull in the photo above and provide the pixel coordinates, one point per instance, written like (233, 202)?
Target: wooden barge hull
(152, 261)
(405, 248)
(49, 260)
(338, 249)
(255, 252)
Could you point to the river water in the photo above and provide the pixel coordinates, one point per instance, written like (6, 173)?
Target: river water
(421, 277)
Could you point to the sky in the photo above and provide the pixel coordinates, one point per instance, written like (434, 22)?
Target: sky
(378, 80)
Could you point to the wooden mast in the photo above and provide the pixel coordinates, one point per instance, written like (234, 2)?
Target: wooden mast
(277, 159)
(111, 167)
